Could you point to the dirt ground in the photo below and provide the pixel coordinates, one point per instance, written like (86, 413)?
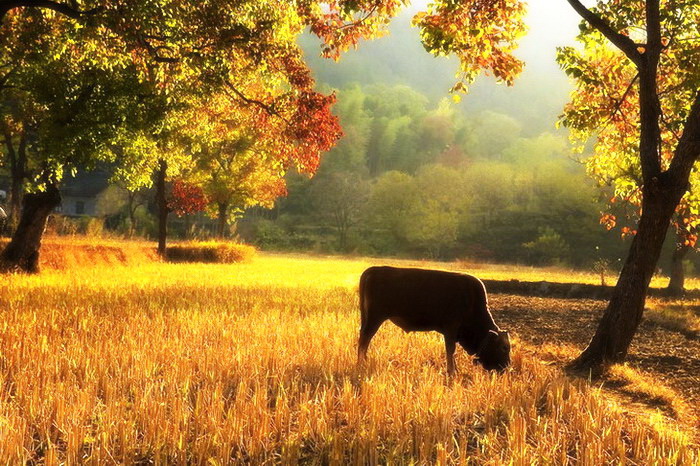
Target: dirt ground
(669, 355)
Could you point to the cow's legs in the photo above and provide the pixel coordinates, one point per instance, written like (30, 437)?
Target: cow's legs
(450, 354)
(367, 330)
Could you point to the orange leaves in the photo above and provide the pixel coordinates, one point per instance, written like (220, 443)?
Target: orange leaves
(482, 33)
(341, 24)
(627, 231)
(690, 241)
(608, 221)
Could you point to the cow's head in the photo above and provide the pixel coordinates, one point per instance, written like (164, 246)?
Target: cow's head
(494, 353)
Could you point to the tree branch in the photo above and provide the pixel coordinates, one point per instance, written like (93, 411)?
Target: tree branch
(269, 109)
(653, 27)
(58, 7)
(688, 148)
(621, 41)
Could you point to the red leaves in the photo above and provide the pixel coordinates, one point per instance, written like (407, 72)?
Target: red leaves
(297, 73)
(314, 129)
(186, 198)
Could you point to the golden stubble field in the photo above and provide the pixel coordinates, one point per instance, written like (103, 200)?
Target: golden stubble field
(255, 363)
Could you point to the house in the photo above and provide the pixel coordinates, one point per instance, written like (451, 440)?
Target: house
(80, 193)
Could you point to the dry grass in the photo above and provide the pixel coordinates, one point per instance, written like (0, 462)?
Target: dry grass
(210, 252)
(255, 363)
(62, 253)
(681, 316)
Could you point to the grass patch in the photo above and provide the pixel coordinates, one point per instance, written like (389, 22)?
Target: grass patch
(209, 252)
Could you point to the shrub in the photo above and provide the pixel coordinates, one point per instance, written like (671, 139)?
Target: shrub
(210, 251)
(549, 248)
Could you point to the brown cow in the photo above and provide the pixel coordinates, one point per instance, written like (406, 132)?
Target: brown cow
(453, 304)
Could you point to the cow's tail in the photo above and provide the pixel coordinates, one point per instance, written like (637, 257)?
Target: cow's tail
(364, 310)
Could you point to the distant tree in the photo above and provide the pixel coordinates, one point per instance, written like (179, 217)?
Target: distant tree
(133, 199)
(391, 203)
(421, 212)
(339, 200)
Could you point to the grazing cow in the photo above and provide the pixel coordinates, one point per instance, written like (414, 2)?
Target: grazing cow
(453, 304)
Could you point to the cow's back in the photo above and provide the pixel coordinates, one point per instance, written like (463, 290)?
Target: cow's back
(418, 299)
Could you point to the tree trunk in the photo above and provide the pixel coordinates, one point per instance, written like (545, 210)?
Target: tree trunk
(188, 225)
(22, 253)
(162, 203)
(18, 171)
(676, 286)
(619, 323)
(16, 192)
(222, 219)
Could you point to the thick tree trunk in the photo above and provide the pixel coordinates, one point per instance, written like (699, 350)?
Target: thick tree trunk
(162, 203)
(22, 253)
(222, 219)
(676, 286)
(619, 323)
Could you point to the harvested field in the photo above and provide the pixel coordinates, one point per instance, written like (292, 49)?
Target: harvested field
(255, 362)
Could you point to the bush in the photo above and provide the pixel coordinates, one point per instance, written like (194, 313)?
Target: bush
(548, 249)
(209, 252)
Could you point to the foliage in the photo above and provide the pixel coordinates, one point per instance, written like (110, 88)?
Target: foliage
(606, 105)
(176, 55)
(482, 33)
(66, 94)
(493, 196)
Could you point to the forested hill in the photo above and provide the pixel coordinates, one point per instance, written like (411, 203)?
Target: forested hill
(419, 175)
(399, 58)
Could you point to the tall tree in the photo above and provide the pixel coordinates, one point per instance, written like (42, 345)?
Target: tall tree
(606, 105)
(63, 102)
(640, 99)
(178, 53)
